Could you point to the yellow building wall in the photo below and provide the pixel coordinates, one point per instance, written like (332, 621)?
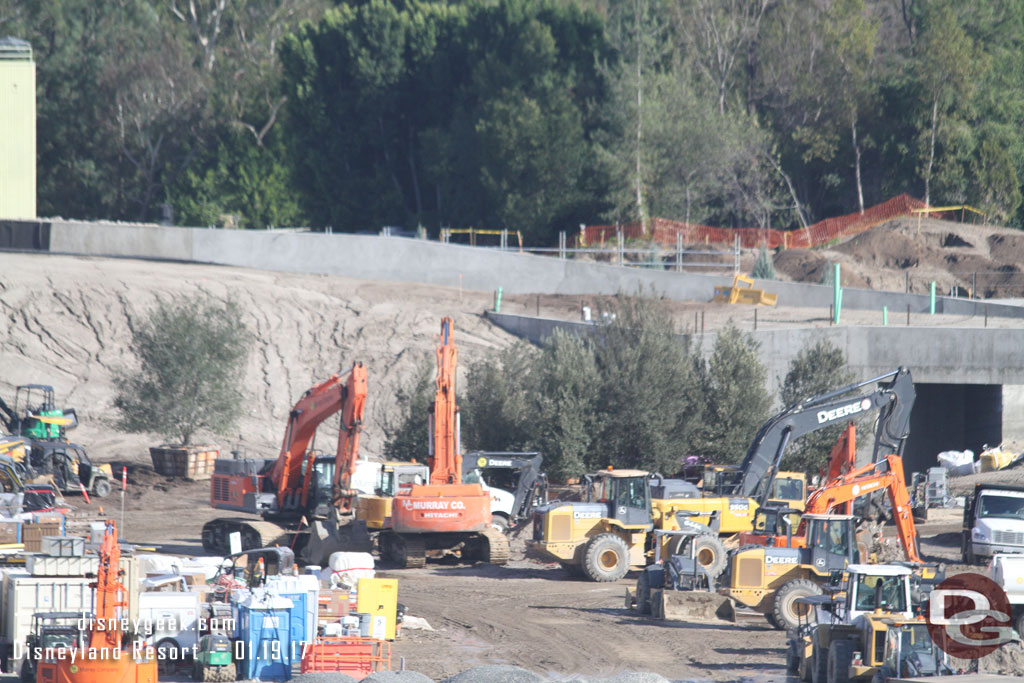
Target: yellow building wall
(17, 139)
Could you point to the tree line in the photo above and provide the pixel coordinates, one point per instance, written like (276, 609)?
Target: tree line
(531, 115)
(631, 394)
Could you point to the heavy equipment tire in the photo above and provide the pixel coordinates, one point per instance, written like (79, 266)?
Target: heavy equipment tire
(606, 558)
(709, 551)
(643, 594)
(226, 673)
(770, 618)
(494, 547)
(409, 551)
(101, 487)
(783, 607)
(840, 656)
(819, 665)
(500, 523)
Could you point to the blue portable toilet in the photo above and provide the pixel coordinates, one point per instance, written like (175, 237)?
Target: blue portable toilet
(303, 591)
(265, 627)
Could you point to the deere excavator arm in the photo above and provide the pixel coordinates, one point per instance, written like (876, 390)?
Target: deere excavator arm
(346, 393)
(886, 474)
(894, 400)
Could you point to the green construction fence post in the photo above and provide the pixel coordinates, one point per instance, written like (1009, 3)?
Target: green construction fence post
(931, 305)
(497, 301)
(837, 295)
(885, 316)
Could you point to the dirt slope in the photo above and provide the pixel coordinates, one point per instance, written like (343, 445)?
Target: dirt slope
(69, 320)
(944, 251)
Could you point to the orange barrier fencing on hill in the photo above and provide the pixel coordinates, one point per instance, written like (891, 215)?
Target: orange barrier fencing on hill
(664, 231)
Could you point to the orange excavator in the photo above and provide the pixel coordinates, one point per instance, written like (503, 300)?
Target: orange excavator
(101, 655)
(444, 515)
(837, 495)
(301, 488)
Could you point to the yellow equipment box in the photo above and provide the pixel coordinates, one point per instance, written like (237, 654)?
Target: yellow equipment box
(379, 598)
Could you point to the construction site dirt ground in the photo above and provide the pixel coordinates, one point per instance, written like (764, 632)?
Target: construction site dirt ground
(528, 613)
(69, 322)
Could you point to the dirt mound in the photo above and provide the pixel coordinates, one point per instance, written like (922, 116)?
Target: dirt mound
(904, 252)
(70, 319)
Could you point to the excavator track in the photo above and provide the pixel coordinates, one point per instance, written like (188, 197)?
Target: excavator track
(495, 547)
(407, 550)
(255, 534)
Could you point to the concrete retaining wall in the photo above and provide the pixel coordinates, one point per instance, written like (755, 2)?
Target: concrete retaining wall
(934, 355)
(409, 260)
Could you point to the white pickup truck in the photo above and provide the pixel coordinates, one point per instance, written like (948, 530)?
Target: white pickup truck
(993, 522)
(1008, 572)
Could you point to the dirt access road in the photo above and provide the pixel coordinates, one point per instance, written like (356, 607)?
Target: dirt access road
(528, 614)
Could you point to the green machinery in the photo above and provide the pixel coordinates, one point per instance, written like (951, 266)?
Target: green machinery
(214, 660)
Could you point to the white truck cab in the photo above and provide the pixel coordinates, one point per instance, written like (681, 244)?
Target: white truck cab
(993, 522)
(1008, 572)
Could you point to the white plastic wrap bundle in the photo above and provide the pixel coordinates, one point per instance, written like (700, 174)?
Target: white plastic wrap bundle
(345, 569)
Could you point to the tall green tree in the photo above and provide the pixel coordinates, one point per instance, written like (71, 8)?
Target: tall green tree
(819, 367)
(736, 398)
(442, 114)
(407, 432)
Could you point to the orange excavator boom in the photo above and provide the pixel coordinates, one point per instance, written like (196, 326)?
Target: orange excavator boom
(346, 393)
(445, 459)
(886, 474)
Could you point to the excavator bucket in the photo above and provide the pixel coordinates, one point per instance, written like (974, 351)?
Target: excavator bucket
(692, 606)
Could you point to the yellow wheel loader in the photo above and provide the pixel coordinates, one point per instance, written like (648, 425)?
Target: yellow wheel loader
(771, 579)
(604, 536)
(843, 637)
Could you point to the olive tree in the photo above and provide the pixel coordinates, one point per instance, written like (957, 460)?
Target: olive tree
(190, 353)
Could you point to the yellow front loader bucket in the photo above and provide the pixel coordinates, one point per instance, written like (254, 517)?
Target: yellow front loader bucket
(744, 295)
(691, 606)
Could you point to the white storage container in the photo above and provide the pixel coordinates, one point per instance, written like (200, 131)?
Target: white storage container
(24, 595)
(63, 546)
(170, 617)
(43, 566)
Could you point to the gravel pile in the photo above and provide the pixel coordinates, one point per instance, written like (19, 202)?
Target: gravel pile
(324, 678)
(397, 677)
(495, 674)
(625, 677)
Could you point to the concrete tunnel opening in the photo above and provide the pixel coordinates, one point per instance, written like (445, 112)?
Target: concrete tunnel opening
(953, 417)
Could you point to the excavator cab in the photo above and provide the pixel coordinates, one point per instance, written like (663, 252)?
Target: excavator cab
(627, 494)
(831, 541)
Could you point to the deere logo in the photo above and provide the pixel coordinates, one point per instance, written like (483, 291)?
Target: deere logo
(481, 462)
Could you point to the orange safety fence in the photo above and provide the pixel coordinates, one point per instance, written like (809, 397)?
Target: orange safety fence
(354, 656)
(664, 231)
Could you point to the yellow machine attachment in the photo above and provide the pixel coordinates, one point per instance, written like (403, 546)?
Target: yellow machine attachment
(394, 476)
(743, 295)
(734, 514)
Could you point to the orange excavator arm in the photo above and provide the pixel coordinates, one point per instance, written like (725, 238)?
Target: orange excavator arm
(111, 596)
(316, 405)
(354, 406)
(866, 480)
(445, 459)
